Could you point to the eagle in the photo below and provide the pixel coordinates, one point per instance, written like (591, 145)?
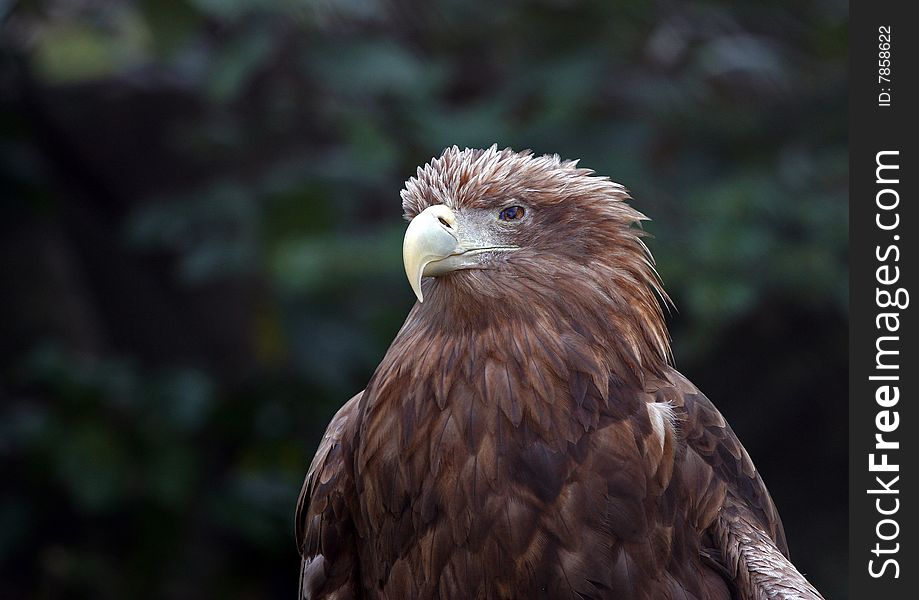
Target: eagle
(526, 435)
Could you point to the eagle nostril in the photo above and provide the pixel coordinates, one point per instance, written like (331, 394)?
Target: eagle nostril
(444, 223)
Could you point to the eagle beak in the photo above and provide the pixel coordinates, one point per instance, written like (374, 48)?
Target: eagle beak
(430, 238)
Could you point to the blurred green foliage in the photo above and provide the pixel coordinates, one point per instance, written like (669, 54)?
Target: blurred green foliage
(201, 247)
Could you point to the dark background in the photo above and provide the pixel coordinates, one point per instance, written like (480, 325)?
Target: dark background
(200, 239)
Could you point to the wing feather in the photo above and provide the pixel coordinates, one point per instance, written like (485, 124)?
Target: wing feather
(731, 502)
(324, 530)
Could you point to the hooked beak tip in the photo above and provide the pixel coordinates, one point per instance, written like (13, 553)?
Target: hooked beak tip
(416, 288)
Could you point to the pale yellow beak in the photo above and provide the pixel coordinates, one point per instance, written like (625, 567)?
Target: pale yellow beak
(430, 238)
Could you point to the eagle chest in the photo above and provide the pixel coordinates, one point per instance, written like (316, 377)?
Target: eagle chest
(472, 492)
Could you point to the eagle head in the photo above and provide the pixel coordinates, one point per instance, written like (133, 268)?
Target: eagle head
(516, 233)
(506, 211)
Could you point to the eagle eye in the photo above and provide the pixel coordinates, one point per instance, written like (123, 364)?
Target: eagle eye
(511, 213)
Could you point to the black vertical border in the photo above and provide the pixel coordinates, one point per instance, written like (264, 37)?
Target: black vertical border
(872, 129)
